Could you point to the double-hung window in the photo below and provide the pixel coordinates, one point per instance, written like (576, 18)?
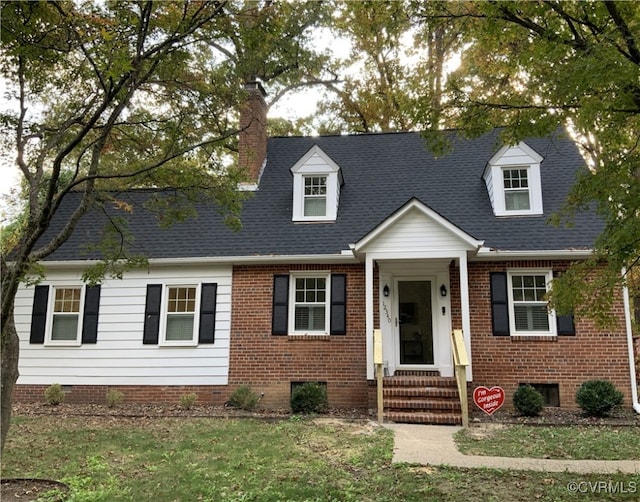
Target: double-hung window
(530, 314)
(180, 314)
(516, 189)
(315, 196)
(65, 314)
(310, 304)
(181, 309)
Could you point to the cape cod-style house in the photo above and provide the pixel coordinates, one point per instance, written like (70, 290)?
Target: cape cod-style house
(343, 235)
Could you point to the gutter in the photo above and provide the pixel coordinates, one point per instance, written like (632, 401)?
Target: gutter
(632, 365)
(345, 257)
(487, 254)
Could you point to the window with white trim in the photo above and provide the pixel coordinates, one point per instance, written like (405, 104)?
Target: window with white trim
(513, 180)
(316, 187)
(516, 189)
(180, 313)
(310, 303)
(315, 195)
(65, 314)
(528, 308)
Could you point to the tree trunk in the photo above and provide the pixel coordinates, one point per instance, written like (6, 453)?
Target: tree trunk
(9, 376)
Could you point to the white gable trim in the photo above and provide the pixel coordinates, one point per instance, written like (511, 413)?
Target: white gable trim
(501, 157)
(304, 166)
(415, 204)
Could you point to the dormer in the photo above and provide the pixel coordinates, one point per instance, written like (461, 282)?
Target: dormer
(316, 187)
(513, 181)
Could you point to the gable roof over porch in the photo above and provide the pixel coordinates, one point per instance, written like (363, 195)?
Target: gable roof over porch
(415, 230)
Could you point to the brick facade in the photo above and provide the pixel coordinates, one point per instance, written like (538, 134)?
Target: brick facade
(564, 360)
(269, 364)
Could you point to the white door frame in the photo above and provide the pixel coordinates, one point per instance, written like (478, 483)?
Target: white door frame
(396, 321)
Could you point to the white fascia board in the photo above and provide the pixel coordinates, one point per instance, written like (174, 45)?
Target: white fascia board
(427, 211)
(345, 256)
(488, 254)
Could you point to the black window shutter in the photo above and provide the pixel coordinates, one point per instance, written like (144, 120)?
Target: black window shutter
(338, 304)
(206, 331)
(499, 304)
(39, 314)
(90, 318)
(152, 314)
(564, 323)
(280, 315)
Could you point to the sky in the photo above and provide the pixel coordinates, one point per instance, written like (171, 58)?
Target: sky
(296, 105)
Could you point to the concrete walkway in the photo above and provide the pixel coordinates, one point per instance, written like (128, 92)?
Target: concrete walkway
(434, 445)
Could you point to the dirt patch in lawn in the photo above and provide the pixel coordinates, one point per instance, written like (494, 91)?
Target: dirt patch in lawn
(27, 490)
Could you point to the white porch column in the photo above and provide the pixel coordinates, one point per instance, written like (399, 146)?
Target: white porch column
(369, 314)
(466, 316)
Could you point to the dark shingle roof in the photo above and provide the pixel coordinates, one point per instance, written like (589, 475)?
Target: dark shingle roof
(381, 173)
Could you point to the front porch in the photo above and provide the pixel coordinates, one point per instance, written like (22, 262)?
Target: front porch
(422, 397)
(417, 293)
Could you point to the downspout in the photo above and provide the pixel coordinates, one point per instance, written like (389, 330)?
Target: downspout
(632, 365)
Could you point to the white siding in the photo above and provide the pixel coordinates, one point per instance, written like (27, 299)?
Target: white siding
(416, 232)
(119, 357)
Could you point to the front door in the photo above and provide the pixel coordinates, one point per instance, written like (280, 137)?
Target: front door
(415, 323)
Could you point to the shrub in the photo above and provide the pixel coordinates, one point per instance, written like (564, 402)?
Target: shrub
(54, 394)
(114, 398)
(528, 401)
(188, 400)
(244, 398)
(597, 398)
(309, 397)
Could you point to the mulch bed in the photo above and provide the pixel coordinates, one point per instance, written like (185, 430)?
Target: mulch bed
(153, 410)
(549, 416)
(556, 416)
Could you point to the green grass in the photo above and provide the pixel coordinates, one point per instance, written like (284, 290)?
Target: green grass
(586, 442)
(118, 459)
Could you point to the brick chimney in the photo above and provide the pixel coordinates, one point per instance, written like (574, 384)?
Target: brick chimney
(252, 142)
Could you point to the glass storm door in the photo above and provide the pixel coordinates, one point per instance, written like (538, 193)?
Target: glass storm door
(415, 323)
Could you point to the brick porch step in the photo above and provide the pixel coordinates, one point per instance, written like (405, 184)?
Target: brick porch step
(421, 398)
(422, 404)
(424, 418)
(417, 392)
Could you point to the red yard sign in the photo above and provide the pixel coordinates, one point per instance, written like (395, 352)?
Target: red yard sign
(488, 400)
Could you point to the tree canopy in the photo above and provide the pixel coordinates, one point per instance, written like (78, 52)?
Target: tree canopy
(109, 96)
(533, 66)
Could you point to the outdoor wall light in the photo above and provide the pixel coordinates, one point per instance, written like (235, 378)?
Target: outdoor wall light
(443, 290)
(385, 290)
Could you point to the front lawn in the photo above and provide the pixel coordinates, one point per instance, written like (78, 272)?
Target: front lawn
(571, 442)
(239, 459)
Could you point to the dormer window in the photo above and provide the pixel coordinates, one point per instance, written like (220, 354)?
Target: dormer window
(513, 181)
(316, 187)
(315, 196)
(516, 189)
